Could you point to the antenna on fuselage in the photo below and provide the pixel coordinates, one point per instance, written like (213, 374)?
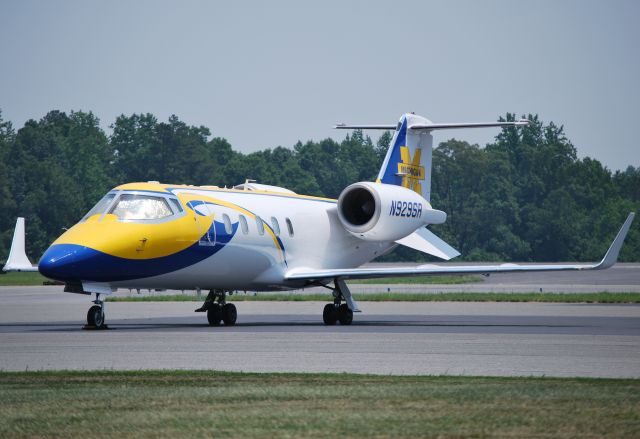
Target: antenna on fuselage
(246, 183)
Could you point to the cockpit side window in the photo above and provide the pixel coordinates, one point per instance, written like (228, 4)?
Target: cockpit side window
(100, 207)
(141, 207)
(176, 205)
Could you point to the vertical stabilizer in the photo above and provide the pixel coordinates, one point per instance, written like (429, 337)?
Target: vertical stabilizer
(408, 160)
(18, 260)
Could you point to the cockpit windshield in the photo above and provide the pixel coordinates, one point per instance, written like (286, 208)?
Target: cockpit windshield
(136, 206)
(141, 207)
(100, 207)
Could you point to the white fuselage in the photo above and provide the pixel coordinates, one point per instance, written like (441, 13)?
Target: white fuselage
(253, 261)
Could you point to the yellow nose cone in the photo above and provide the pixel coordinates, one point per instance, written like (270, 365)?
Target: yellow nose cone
(136, 240)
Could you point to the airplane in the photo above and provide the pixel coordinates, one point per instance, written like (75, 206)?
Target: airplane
(257, 237)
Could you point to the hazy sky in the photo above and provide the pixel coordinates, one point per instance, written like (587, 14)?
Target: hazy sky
(265, 74)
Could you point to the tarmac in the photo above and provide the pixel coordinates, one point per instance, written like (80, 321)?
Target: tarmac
(41, 329)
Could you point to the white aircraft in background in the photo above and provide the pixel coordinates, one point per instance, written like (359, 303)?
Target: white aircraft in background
(264, 238)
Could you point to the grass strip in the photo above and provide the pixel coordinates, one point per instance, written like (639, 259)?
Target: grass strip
(22, 279)
(239, 405)
(405, 297)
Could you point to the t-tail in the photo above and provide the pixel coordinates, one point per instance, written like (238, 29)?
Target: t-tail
(408, 159)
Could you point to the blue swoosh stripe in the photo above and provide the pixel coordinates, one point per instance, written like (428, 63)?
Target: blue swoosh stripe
(72, 262)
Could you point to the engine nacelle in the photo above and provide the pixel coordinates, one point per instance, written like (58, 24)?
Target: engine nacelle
(383, 212)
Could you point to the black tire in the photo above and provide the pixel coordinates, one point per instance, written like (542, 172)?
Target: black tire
(330, 314)
(229, 314)
(95, 316)
(345, 315)
(214, 314)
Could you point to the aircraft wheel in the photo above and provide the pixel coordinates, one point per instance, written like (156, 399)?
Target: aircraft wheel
(330, 314)
(345, 315)
(214, 314)
(229, 314)
(95, 316)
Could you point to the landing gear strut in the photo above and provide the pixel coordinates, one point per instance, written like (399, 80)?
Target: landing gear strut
(338, 311)
(95, 315)
(218, 310)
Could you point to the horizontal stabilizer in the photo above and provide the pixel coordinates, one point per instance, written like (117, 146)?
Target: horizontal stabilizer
(342, 126)
(18, 260)
(453, 126)
(425, 241)
(433, 126)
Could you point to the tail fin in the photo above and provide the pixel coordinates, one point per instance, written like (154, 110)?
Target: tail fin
(408, 160)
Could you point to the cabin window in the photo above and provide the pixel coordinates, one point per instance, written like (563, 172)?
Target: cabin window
(289, 227)
(243, 224)
(100, 207)
(275, 225)
(227, 224)
(176, 205)
(141, 207)
(260, 225)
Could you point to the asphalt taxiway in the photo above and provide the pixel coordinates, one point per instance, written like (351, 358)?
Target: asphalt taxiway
(40, 328)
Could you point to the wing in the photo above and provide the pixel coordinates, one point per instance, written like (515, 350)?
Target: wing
(609, 259)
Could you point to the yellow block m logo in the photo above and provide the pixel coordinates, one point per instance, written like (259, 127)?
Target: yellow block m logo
(411, 170)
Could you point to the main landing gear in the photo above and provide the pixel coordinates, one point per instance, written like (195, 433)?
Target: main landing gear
(218, 310)
(95, 315)
(338, 311)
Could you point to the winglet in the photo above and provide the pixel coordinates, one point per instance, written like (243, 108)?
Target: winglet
(611, 257)
(18, 260)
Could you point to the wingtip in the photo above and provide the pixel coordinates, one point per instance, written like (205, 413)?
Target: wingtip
(611, 257)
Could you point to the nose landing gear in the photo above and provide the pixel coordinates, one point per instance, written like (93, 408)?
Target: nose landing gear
(218, 310)
(95, 315)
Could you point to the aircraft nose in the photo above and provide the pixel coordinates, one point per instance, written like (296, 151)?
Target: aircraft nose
(66, 262)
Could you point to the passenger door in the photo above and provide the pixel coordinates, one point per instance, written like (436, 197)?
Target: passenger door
(206, 225)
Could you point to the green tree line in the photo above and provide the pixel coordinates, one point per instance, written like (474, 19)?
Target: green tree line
(524, 197)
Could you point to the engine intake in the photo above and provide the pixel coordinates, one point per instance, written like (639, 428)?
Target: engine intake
(358, 206)
(382, 212)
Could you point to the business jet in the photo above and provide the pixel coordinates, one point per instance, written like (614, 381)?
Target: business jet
(257, 237)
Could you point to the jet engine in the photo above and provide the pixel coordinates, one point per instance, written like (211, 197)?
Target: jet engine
(383, 212)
